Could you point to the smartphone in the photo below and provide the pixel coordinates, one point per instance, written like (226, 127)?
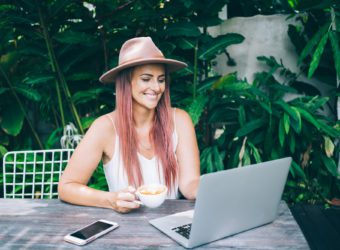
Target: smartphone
(90, 232)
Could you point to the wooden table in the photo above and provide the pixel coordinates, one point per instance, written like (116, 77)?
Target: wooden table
(42, 224)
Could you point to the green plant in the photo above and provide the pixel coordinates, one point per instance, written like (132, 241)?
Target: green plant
(317, 41)
(258, 124)
(52, 53)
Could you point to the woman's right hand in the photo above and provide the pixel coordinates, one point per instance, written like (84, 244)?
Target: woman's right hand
(123, 200)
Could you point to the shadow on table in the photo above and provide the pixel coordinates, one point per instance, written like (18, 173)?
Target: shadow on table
(320, 226)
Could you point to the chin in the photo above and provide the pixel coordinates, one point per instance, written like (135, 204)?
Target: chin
(151, 106)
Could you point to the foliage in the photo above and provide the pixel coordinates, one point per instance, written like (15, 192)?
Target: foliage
(317, 41)
(53, 51)
(258, 124)
(246, 8)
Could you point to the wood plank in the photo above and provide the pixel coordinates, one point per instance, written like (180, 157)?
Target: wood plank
(42, 224)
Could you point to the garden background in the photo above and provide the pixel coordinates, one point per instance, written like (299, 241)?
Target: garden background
(52, 53)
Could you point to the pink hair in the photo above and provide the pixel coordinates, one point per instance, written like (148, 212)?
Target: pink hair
(160, 134)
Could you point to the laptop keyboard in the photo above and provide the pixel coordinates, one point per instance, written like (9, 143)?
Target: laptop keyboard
(183, 230)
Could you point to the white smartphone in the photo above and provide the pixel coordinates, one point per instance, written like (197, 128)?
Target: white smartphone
(90, 232)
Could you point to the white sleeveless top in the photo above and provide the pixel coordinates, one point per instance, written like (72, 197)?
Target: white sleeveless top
(115, 173)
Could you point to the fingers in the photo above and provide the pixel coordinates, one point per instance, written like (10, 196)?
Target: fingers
(124, 201)
(130, 189)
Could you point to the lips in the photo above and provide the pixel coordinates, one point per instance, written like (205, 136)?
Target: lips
(151, 96)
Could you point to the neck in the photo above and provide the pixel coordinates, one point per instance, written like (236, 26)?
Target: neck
(143, 117)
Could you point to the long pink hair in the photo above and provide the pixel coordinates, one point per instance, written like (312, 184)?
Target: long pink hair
(160, 134)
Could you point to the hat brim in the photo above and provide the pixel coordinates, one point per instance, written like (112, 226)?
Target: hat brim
(172, 65)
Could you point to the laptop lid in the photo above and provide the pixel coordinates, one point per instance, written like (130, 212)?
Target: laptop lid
(235, 200)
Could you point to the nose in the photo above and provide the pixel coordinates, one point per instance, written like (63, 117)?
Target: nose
(155, 86)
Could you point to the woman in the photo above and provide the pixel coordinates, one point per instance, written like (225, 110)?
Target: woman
(143, 141)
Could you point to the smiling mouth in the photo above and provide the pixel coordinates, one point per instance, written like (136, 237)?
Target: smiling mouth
(151, 95)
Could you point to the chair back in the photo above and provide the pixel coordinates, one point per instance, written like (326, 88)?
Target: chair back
(34, 174)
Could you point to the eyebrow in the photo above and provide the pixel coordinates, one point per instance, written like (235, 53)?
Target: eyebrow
(146, 74)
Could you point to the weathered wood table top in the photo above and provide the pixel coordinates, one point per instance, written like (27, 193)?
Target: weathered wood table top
(42, 224)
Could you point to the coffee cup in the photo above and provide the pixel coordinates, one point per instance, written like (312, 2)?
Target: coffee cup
(152, 195)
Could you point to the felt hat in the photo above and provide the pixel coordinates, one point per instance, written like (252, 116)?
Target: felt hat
(138, 51)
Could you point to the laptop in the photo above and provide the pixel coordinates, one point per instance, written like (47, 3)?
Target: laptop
(229, 202)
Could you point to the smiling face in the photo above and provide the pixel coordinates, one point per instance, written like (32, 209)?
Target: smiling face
(148, 85)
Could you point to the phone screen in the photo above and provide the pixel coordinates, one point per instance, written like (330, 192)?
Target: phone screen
(93, 229)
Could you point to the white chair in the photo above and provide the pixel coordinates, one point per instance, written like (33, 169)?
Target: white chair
(34, 174)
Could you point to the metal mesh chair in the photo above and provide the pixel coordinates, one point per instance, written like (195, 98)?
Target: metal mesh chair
(34, 174)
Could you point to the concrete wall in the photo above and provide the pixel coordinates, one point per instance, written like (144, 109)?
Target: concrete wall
(264, 36)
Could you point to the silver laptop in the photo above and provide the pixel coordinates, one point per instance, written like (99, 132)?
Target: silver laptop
(229, 202)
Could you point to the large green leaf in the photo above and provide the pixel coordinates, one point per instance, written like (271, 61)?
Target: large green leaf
(329, 146)
(218, 160)
(75, 37)
(335, 133)
(241, 116)
(286, 107)
(29, 93)
(182, 29)
(316, 102)
(255, 152)
(250, 127)
(3, 151)
(308, 5)
(292, 142)
(87, 121)
(270, 61)
(317, 55)
(12, 119)
(77, 59)
(57, 6)
(298, 169)
(186, 43)
(281, 132)
(306, 115)
(3, 90)
(297, 121)
(82, 76)
(224, 80)
(266, 106)
(4, 7)
(196, 108)
(207, 84)
(286, 122)
(87, 95)
(207, 165)
(218, 45)
(313, 42)
(330, 165)
(336, 50)
(53, 140)
(229, 82)
(38, 79)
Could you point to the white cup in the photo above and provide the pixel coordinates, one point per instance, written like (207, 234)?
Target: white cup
(152, 195)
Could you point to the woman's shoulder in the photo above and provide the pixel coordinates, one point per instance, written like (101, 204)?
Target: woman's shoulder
(182, 118)
(104, 124)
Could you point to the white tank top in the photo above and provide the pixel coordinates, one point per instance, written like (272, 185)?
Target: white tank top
(115, 173)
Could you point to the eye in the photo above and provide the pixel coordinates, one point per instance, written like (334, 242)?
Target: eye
(161, 80)
(145, 79)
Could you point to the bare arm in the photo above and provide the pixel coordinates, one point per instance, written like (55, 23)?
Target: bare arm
(73, 183)
(187, 155)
